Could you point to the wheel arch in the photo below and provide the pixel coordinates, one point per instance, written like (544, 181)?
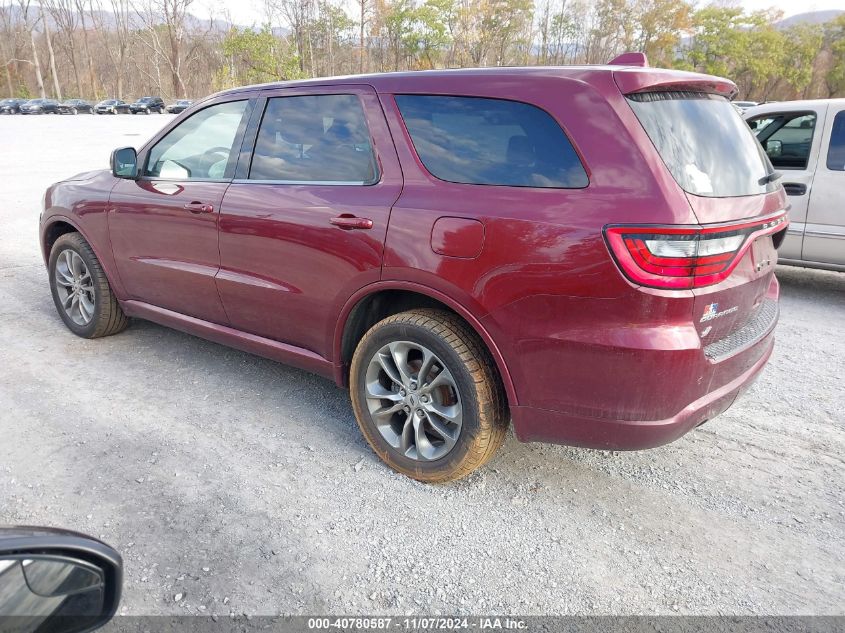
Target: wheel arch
(377, 301)
(53, 230)
(57, 225)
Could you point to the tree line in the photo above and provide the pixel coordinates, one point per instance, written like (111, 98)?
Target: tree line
(120, 48)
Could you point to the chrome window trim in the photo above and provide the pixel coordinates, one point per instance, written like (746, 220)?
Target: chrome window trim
(314, 183)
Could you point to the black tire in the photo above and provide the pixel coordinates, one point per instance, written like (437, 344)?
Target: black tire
(484, 410)
(108, 318)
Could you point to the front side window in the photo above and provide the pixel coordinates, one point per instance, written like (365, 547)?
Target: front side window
(836, 151)
(481, 141)
(314, 138)
(200, 148)
(786, 137)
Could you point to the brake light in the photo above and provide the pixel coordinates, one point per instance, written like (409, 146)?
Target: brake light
(685, 256)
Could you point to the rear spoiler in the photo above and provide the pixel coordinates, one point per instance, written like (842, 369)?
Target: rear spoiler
(637, 77)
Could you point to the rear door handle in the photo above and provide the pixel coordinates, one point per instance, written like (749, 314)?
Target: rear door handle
(349, 222)
(199, 207)
(795, 188)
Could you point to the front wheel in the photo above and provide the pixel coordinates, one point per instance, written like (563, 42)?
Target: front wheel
(81, 291)
(426, 395)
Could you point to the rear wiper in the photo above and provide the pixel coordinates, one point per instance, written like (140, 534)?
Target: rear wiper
(775, 175)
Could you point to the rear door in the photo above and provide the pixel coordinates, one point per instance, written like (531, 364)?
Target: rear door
(824, 233)
(792, 140)
(303, 225)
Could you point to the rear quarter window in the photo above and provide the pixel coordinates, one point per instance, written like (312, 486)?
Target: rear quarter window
(482, 141)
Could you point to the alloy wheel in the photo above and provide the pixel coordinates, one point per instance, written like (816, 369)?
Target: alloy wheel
(75, 287)
(414, 400)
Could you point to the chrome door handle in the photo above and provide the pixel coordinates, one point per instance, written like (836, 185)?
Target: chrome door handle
(199, 207)
(349, 222)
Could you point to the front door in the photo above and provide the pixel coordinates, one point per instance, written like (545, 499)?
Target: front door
(163, 226)
(302, 226)
(824, 235)
(792, 142)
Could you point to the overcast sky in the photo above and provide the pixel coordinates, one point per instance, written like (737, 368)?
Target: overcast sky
(246, 12)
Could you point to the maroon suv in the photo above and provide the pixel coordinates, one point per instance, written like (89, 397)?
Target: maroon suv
(587, 252)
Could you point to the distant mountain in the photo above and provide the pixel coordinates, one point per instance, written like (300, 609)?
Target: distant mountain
(811, 17)
(107, 19)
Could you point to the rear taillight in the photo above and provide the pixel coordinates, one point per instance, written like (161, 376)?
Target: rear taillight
(685, 256)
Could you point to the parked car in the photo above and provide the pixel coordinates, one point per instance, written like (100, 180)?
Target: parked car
(147, 105)
(11, 106)
(460, 248)
(179, 106)
(56, 580)
(75, 106)
(744, 105)
(112, 106)
(805, 141)
(40, 106)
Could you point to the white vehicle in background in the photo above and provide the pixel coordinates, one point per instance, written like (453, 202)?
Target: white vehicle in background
(805, 141)
(742, 106)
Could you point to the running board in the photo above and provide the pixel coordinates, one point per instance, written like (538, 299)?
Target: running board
(225, 335)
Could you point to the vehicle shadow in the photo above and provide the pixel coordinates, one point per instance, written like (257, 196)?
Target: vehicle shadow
(811, 284)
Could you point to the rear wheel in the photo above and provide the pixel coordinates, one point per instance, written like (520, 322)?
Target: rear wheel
(81, 291)
(426, 396)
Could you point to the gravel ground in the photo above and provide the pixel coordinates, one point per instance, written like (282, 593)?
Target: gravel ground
(232, 484)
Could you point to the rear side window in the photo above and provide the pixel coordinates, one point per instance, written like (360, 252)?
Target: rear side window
(707, 147)
(836, 151)
(787, 138)
(482, 141)
(319, 138)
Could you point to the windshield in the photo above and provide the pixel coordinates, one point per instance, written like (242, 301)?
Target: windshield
(706, 145)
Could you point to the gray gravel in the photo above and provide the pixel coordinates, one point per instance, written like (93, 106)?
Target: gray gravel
(232, 484)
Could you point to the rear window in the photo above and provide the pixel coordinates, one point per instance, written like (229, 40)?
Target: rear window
(482, 141)
(706, 145)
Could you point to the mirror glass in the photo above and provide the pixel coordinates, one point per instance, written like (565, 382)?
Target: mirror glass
(55, 593)
(51, 578)
(774, 148)
(125, 162)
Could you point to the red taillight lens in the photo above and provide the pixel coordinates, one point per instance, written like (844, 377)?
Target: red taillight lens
(685, 256)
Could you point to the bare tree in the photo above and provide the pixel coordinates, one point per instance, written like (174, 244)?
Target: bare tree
(66, 18)
(165, 22)
(57, 89)
(83, 7)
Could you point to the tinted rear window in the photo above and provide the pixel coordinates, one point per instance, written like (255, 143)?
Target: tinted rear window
(704, 142)
(483, 141)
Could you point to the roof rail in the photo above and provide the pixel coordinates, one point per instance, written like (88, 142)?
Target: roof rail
(630, 59)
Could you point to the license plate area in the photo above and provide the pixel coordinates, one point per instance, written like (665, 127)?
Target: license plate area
(763, 253)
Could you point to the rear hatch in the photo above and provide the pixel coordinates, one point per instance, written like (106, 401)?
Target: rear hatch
(728, 259)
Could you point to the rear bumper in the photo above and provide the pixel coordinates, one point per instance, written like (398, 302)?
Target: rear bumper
(541, 425)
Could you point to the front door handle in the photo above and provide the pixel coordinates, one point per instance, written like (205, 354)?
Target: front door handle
(199, 207)
(349, 222)
(795, 188)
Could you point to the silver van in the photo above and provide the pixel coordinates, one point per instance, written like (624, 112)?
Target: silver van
(805, 141)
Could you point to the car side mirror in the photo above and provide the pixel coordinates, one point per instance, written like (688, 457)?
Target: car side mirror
(774, 148)
(124, 163)
(57, 581)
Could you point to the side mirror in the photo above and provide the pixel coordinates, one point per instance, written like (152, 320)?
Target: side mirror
(57, 581)
(774, 148)
(124, 163)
